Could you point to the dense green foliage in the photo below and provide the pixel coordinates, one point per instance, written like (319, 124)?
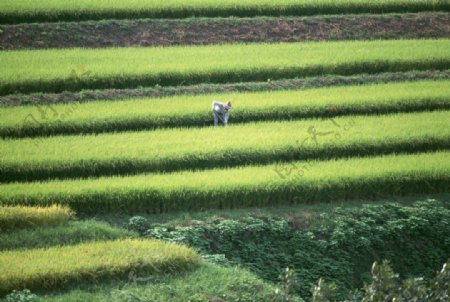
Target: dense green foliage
(56, 266)
(13, 11)
(200, 148)
(74, 69)
(73, 233)
(296, 182)
(181, 111)
(339, 246)
(19, 217)
(388, 286)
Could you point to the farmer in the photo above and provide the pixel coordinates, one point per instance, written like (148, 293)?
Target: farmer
(220, 111)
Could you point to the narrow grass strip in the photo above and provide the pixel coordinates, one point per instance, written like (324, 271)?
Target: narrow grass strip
(56, 70)
(182, 111)
(15, 11)
(74, 232)
(18, 217)
(296, 182)
(58, 266)
(202, 148)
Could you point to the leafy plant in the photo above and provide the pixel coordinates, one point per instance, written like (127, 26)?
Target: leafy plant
(387, 286)
(138, 224)
(338, 247)
(21, 296)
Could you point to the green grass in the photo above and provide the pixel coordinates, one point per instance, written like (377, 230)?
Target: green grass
(74, 69)
(57, 266)
(142, 114)
(13, 11)
(298, 182)
(74, 232)
(19, 217)
(201, 148)
(207, 283)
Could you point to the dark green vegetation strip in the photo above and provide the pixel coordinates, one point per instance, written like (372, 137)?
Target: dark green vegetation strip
(13, 11)
(199, 31)
(204, 148)
(275, 85)
(73, 233)
(76, 69)
(296, 182)
(339, 246)
(182, 111)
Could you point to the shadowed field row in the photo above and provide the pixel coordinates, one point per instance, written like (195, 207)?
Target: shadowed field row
(295, 182)
(13, 11)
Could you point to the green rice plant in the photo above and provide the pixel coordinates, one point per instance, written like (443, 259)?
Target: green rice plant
(202, 148)
(18, 217)
(209, 282)
(57, 266)
(55, 70)
(13, 11)
(74, 232)
(282, 183)
(141, 114)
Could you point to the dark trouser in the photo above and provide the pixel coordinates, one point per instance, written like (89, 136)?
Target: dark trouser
(222, 117)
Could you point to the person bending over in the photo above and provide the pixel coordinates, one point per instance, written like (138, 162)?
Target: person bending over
(220, 112)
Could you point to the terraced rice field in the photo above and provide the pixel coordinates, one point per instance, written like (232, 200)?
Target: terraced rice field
(159, 155)
(75, 69)
(52, 267)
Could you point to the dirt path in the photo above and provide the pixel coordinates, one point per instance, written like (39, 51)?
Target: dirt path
(199, 31)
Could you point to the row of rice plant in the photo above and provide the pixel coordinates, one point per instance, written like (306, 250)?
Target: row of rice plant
(200, 148)
(74, 69)
(18, 217)
(90, 262)
(13, 11)
(74, 232)
(179, 111)
(281, 183)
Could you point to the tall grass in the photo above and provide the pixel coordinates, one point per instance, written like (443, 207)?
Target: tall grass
(75, 69)
(13, 11)
(201, 148)
(18, 217)
(204, 284)
(57, 266)
(179, 111)
(74, 232)
(296, 182)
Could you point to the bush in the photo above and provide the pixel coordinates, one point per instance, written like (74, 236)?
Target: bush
(387, 286)
(21, 296)
(340, 246)
(138, 224)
